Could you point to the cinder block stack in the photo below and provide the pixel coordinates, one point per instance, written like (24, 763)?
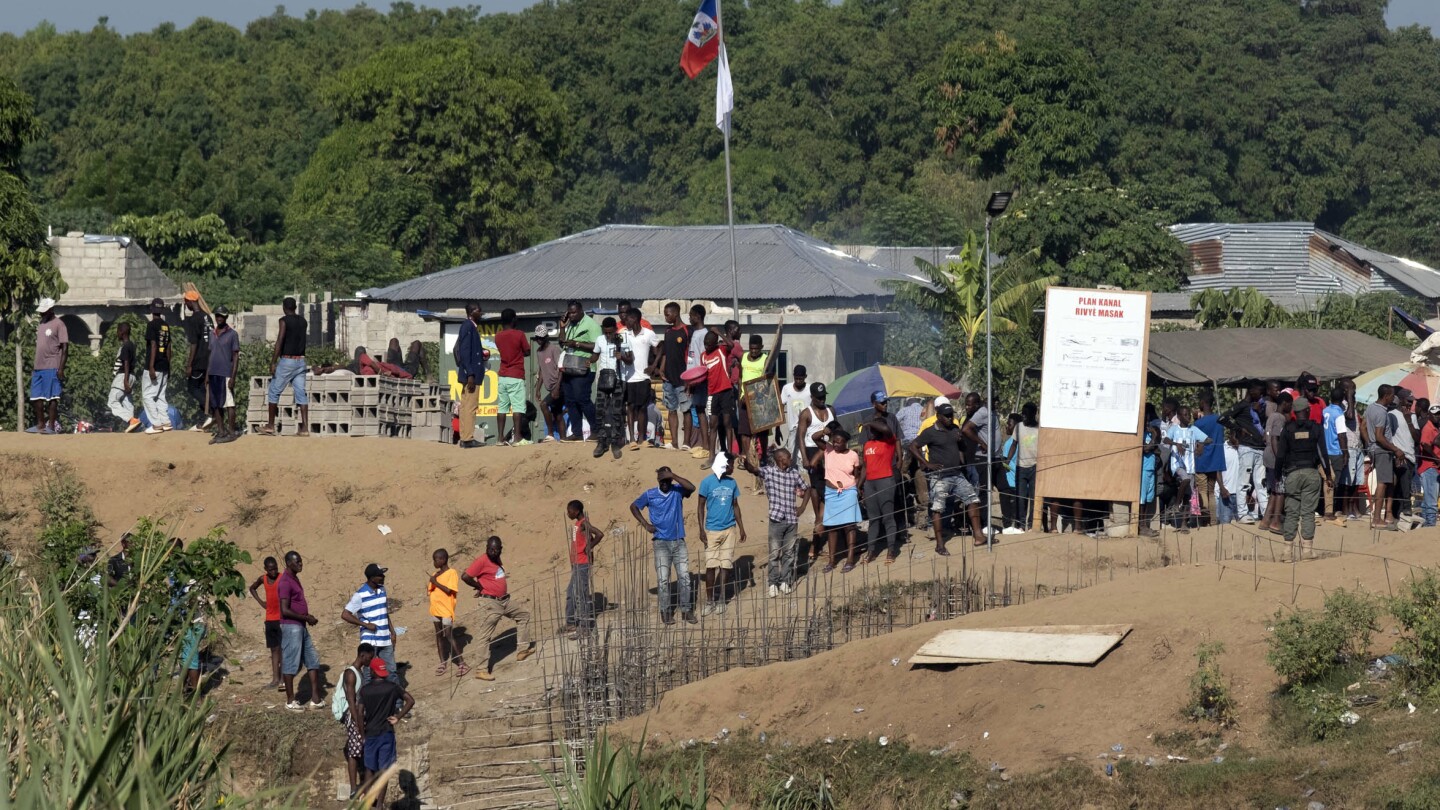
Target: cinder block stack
(346, 404)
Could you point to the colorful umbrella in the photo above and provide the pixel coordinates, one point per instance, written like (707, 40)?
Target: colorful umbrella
(1422, 380)
(851, 393)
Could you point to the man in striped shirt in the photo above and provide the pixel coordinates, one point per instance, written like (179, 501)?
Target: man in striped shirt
(369, 610)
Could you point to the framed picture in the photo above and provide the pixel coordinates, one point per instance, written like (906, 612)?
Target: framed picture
(762, 400)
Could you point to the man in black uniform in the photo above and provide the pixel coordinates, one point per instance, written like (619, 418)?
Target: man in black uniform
(198, 326)
(1298, 450)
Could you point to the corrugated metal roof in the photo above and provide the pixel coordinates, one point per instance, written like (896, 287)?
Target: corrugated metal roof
(647, 261)
(1423, 280)
(899, 259)
(1288, 259)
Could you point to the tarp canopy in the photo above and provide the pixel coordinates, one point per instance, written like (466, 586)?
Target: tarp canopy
(1230, 357)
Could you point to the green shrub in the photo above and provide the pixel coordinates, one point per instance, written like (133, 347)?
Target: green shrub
(1210, 697)
(609, 778)
(1321, 710)
(1306, 645)
(1417, 608)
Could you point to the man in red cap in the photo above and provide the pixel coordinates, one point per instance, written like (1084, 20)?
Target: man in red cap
(378, 717)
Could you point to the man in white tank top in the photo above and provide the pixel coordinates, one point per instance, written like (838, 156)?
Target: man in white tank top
(794, 397)
(813, 419)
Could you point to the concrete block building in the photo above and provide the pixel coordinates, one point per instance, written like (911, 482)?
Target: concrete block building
(106, 276)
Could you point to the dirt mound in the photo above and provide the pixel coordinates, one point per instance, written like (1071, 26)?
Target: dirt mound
(1031, 716)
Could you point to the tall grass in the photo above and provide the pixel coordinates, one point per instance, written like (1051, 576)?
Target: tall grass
(91, 701)
(609, 778)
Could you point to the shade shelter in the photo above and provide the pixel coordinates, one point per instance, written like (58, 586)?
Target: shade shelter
(1235, 357)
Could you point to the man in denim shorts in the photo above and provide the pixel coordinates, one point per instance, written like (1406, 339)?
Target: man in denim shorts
(939, 450)
(287, 367)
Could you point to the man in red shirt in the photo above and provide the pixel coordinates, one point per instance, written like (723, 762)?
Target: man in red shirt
(720, 407)
(514, 347)
(882, 477)
(579, 603)
(487, 576)
(1429, 456)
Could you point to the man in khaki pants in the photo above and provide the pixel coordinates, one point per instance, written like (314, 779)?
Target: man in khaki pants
(487, 576)
(470, 368)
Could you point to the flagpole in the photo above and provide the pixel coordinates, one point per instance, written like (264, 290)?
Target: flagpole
(729, 188)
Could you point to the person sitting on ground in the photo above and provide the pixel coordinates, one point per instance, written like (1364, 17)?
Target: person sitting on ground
(444, 588)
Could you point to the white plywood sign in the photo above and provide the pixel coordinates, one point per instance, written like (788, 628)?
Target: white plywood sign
(1062, 644)
(1094, 364)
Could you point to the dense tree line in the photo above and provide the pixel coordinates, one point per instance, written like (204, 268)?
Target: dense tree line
(342, 149)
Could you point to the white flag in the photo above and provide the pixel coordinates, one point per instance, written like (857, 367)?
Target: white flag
(724, 93)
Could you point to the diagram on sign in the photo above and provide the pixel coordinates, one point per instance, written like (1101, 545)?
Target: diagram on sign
(1090, 394)
(1094, 363)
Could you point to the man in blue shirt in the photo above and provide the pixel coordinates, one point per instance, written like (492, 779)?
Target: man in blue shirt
(1337, 453)
(369, 610)
(665, 501)
(470, 369)
(720, 529)
(1209, 456)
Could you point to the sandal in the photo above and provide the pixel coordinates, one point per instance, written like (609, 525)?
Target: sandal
(942, 552)
(828, 568)
(267, 431)
(442, 669)
(461, 670)
(848, 568)
(889, 560)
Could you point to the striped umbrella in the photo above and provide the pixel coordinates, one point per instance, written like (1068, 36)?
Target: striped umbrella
(851, 393)
(1422, 380)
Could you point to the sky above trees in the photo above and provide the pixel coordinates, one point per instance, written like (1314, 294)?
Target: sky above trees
(130, 16)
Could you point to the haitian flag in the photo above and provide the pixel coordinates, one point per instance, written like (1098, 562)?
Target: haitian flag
(703, 44)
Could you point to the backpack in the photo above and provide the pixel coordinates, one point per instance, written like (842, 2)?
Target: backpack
(339, 704)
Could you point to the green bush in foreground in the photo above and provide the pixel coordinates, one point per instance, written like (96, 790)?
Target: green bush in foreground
(1210, 697)
(609, 778)
(1307, 645)
(1417, 608)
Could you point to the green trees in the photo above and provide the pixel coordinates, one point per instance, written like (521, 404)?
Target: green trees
(444, 153)
(955, 296)
(189, 247)
(356, 147)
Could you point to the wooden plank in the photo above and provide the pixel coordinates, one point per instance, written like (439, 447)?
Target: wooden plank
(1055, 645)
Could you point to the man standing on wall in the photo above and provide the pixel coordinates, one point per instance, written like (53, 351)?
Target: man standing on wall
(287, 367)
(673, 353)
(549, 398)
(198, 326)
(157, 370)
(580, 333)
(1209, 457)
(470, 367)
(638, 392)
(700, 392)
(52, 348)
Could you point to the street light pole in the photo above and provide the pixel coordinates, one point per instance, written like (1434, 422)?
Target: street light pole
(999, 201)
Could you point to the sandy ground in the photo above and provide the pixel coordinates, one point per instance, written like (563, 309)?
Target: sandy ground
(1032, 716)
(326, 497)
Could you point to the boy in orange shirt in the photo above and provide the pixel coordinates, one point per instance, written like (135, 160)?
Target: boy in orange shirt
(444, 587)
(579, 603)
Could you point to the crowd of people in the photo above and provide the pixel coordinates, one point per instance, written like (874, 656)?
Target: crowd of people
(370, 698)
(1269, 459)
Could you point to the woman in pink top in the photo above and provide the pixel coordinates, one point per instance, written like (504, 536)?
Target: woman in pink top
(843, 467)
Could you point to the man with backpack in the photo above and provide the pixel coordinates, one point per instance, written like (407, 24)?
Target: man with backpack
(345, 707)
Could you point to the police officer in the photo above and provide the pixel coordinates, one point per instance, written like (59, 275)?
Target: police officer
(1298, 454)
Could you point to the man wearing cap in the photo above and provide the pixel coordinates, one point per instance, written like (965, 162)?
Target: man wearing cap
(287, 367)
(383, 704)
(1298, 451)
(940, 451)
(224, 359)
(52, 349)
(487, 576)
(157, 370)
(369, 610)
(470, 369)
(811, 454)
(551, 402)
(197, 325)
